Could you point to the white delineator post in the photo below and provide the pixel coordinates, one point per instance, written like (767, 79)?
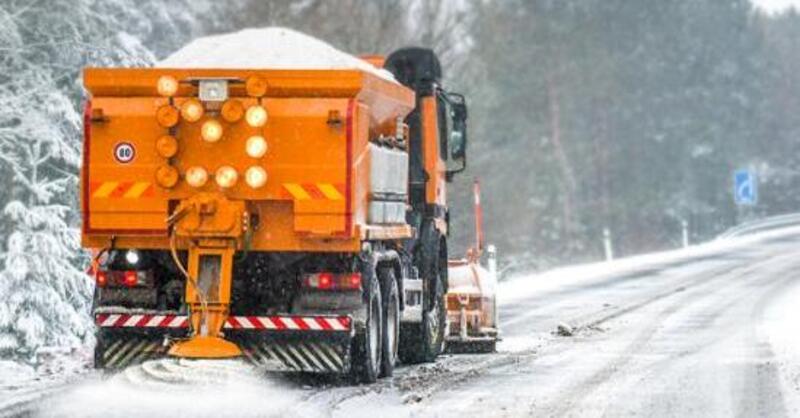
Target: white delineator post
(607, 244)
(491, 261)
(685, 233)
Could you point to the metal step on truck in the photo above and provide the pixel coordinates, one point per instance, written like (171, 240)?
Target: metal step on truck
(295, 217)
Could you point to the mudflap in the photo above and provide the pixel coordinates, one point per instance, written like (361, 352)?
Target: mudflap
(118, 348)
(316, 344)
(295, 351)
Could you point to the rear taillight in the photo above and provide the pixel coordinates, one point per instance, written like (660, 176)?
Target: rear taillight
(354, 280)
(130, 278)
(332, 281)
(126, 278)
(101, 278)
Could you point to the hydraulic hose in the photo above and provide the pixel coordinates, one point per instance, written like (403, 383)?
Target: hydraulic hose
(174, 252)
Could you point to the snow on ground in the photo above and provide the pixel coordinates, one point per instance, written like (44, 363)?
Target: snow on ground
(52, 365)
(12, 373)
(266, 48)
(673, 339)
(170, 387)
(548, 286)
(523, 286)
(778, 328)
(21, 382)
(687, 298)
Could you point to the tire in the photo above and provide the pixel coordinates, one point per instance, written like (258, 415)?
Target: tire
(367, 351)
(391, 321)
(423, 342)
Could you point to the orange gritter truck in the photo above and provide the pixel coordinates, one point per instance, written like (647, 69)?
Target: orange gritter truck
(296, 218)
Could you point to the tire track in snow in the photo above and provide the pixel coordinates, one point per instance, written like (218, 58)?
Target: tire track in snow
(685, 295)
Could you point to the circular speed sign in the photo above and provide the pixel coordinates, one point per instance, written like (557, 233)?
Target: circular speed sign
(124, 152)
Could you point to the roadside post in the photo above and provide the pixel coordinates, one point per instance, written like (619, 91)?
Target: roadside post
(685, 233)
(607, 247)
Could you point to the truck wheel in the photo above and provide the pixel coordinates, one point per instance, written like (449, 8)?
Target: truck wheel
(423, 342)
(367, 344)
(435, 322)
(391, 321)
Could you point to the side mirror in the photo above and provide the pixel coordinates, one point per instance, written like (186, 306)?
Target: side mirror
(457, 142)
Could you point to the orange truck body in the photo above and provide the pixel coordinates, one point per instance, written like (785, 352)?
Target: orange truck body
(316, 196)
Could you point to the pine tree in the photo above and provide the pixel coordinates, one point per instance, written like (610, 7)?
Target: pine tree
(43, 46)
(44, 290)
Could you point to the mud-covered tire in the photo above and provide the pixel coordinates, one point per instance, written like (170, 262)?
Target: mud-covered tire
(423, 342)
(366, 352)
(391, 321)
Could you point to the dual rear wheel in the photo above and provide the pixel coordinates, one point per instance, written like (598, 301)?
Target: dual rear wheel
(378, 348)
(375, 349)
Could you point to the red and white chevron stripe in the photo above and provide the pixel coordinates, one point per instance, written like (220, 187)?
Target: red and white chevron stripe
(141, 321)
(275, 323)
(301, 323)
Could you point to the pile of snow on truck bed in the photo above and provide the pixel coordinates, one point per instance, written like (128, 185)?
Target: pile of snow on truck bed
(266, 48)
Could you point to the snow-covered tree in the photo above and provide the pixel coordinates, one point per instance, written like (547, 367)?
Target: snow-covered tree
(43, 47)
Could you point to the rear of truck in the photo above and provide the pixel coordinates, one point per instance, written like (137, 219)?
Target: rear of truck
(229, 211)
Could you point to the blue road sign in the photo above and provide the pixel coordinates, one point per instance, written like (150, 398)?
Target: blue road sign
(745, 187)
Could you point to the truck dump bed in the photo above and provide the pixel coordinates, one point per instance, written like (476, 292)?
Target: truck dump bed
(318, 162)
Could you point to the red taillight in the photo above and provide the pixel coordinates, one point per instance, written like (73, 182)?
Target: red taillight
(331, 281)
(325, 280)
(354, 280)
(101, 278)
(130, 278)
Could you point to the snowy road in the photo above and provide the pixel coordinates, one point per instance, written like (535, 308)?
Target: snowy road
(709, 332)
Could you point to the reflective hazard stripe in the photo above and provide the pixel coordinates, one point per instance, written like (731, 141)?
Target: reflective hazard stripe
(141, 321)
(155, 320)
(137, 190)
(330, 191)
(105, 189)
(314, 191)
(124, 190)
(297, 191)
(336, 325)
(276, 323)
(289, 323)
(312, 323)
